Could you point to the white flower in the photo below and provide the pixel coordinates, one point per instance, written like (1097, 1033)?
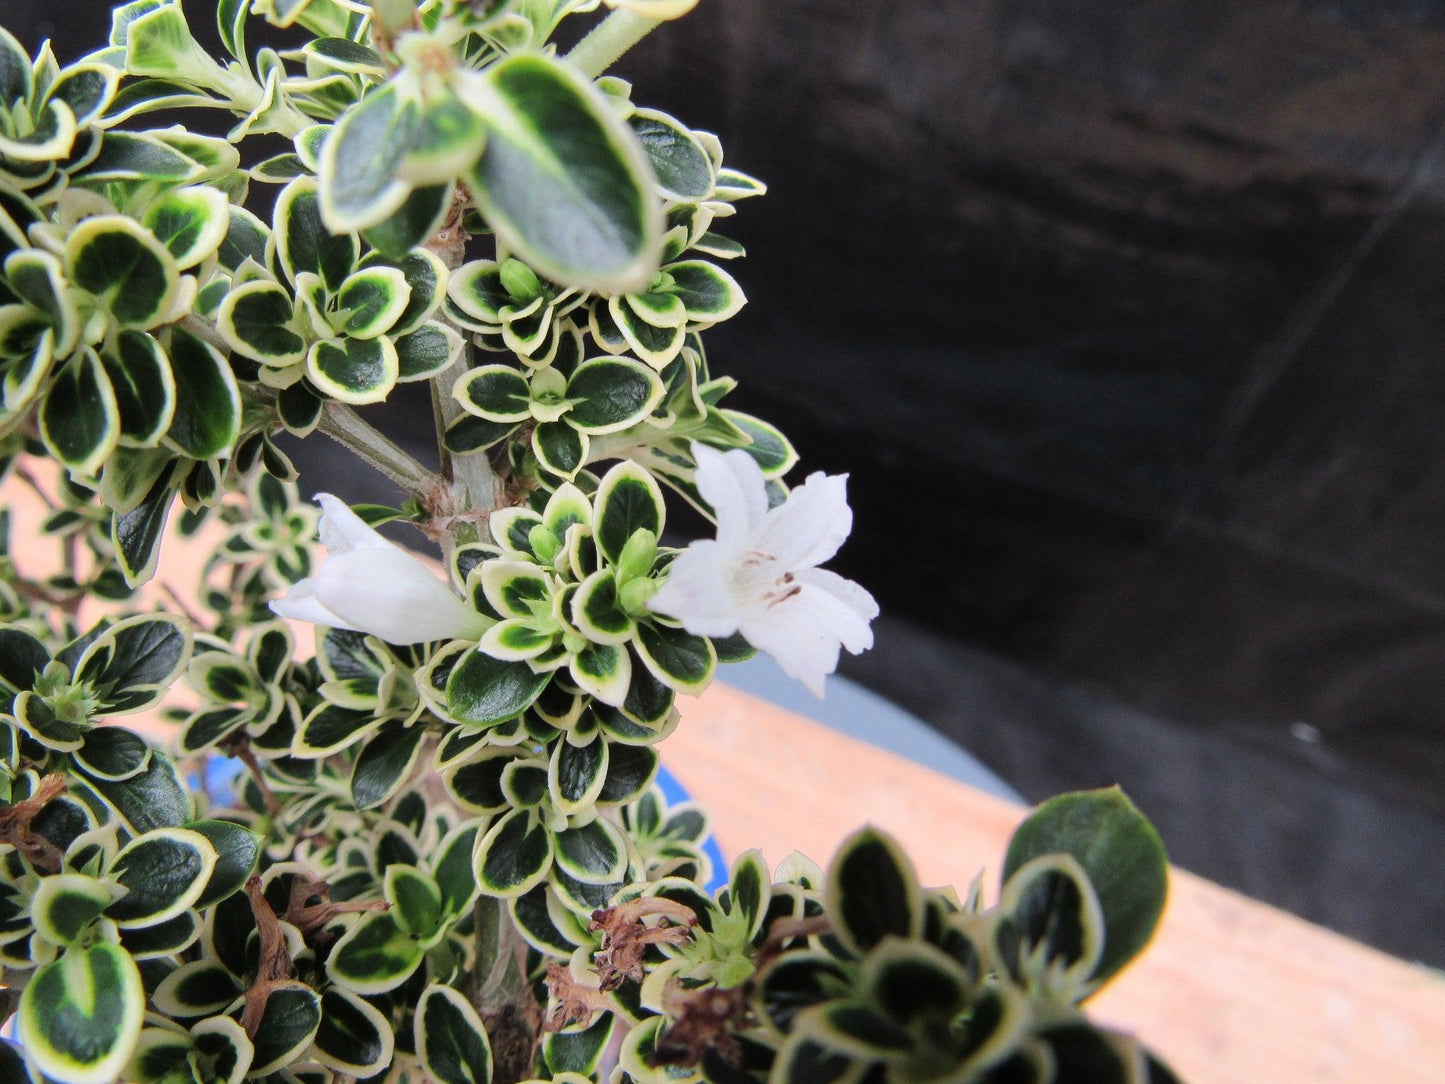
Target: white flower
(371, 585)
(760, 576)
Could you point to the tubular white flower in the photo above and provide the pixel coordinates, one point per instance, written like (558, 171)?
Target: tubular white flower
(370, 585)
(760, 578)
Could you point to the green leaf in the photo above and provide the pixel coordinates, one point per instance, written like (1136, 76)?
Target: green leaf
(128, 271)
(246, 239)
(80, 1016)
(330, 729)
(450, 1039)
(415, 899)
(80, 418)
(16, 80)
(796, 981)
(676, 657)
(288, 1026)
(750, 889)
(684, 170)
(654, 343)
(353, 1037)
(856, 1028)
(373, 299)
(612, 394)
(483, 691)
(356, 371)
(452, 867)
(602, 670)
(112, 752)
(237, 850)
(133, 663)
(426, 352)
(1121, 855)
(164, 872)
(576, 774)
(770, 449)
(628, 500)
(916, 982)
(136, 534)
(596, 611)
(190, 222)
(197, 989)
(445, 136)
(384, 764)
(560, 448)
(374, 956)
(1084, 1053)
(140, 377)
(1054, 931)
(359, 186)
(416, 221)
(132, 156)
(38, 279)
(710, 293)
(562, 180)
(630, 771)
(497, 393)
(22, 658)
(221, 1041)
(476, 289)
(805, 1061)
(65, 904)
(175, 934)
(256, 320)
(593, 853)
(207, 419)
(87, 89)
(514, 855)
(872, 891)
(156, 798)
(578, 1051)
(303, 243)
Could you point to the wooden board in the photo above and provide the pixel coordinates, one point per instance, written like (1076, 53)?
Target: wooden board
(1231, 990)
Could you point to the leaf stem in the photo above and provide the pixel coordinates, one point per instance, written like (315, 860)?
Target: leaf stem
(608, 40)
(345, 426)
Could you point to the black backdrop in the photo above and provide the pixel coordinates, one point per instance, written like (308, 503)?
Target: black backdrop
(1127, 321)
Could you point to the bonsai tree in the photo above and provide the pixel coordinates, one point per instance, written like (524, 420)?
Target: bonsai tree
(443, 857)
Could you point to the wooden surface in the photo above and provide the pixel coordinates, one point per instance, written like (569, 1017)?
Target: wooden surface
(1230, 991)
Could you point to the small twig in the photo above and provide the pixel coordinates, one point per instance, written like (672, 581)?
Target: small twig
(273, 964)
(179, 604)
(345, 426)
(240, 748)
(23, 473)
(609, 39)
(308, 917)
(15, 824)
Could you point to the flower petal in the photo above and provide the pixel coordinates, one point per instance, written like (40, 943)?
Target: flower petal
(343, 531)
(695, 592)
(790, 632)
(300, 604)
(391, 594)
(862, 606)
(807, 528)
(733, 484)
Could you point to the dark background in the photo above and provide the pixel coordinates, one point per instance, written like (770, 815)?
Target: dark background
(1127, 321)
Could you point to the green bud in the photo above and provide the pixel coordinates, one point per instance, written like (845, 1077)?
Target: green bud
(544, 543)
(394, 16)
(635, 560)
(520, 281)
(635, 595)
